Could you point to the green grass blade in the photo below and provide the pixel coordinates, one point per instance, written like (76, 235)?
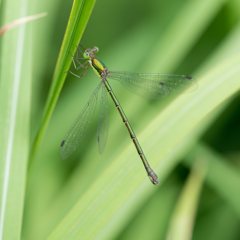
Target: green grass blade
(158, 214)
(182, 222)
(221, 176)
(228, 47)
(79, 17)
(15, 99)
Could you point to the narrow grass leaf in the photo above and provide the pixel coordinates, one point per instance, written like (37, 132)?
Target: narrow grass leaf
(182, 222)
(80, 14)
(221, 175)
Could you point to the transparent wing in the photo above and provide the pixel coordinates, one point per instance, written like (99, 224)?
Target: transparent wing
(78, 130)
(103, 121)
(154, 86)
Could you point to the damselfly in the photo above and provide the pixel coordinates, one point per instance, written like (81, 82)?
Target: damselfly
(152, 86)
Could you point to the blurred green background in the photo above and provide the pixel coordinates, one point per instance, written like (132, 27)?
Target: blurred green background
(199, 173)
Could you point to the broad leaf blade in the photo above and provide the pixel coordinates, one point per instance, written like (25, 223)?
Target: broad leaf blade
(15, 99)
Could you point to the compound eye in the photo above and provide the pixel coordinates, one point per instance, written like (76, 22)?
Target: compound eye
(86, 55)
(95, 49)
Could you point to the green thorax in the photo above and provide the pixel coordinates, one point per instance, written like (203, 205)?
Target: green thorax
(97, 65)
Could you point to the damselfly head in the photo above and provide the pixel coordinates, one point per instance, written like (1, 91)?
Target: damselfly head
(89, 53)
